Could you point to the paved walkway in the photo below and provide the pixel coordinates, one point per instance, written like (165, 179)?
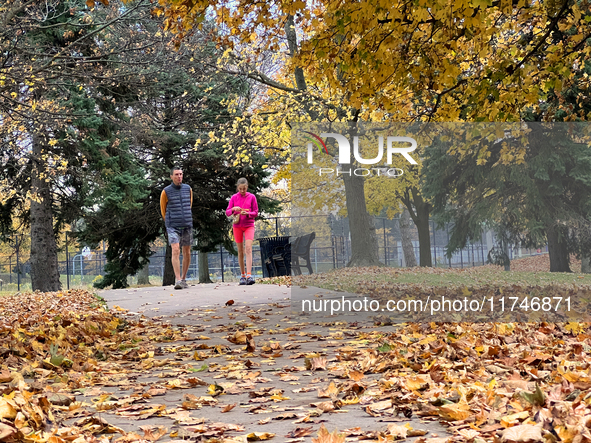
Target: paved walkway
(283, 342)
(165, 300)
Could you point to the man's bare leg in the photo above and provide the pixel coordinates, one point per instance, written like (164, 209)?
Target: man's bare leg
(176, 260)
(186, 261)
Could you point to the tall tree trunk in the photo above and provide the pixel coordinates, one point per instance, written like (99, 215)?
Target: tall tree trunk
(424, 235)
(557, 249)
(143, 275)
(507, 261)
(168, 278)
(364, 241)
(204, 268)
(45, 275)
(419, 211)
(406, 234)
(586, 264)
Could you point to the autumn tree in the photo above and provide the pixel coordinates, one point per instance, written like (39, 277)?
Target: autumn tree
(300, 100)
(473, 61)
(176, 109)
(46, 50)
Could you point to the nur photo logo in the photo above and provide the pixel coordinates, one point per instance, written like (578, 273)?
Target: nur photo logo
(344, 156)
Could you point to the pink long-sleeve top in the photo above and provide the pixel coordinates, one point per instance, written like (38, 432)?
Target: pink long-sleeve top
(248, 201)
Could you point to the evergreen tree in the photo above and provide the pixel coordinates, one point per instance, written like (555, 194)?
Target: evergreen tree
(176, 114)
(532, 200)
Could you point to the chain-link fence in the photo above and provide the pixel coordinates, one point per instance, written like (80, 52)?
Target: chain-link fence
(80, 267)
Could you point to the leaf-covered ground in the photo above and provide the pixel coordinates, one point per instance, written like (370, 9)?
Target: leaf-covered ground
(71, 371)
(528, 270)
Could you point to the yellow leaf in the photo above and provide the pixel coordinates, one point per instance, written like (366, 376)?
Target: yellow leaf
(566, 433)
(6, 409)
(215, 390)
(454, 412)
(414, 383)
(279, 397)
(509, 420)
(574, 327)
(259, 436)
(174, 383)
(329, 392)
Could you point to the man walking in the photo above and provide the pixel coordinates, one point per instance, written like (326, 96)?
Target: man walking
(176, 201)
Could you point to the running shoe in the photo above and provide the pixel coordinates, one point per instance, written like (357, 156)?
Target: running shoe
(185, 284)
(179, 285)
(242, 281)
(250, 281)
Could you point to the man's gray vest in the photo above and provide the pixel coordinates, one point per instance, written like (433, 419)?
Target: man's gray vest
(178, 208)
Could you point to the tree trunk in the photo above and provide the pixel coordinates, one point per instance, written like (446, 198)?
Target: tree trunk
(420, 216)
(364, 241)
(168, 278)
(559, 260)
(507, 261)
(143, 275)
(424, 235)
(586, 264)
(204, 268)
(408, 250)
(45, 275)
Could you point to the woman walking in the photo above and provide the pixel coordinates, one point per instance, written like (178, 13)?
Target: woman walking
(244, 208)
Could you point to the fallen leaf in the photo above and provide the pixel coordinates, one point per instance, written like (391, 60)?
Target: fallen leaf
(228, 408)
(7, 432)
(536, 398)
(397, 431)
(299, 432)
(356, 375)
(318, 364)
(250, 344)
(7, 410)
(259, 436)
(455, 411)
(330, 392)
(522, 433)
(239, 338)
(153, 433)
(328, 437)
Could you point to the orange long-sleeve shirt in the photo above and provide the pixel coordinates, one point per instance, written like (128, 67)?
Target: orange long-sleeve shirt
(164, 202)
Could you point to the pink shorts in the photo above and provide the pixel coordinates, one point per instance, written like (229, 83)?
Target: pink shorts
(239, 232)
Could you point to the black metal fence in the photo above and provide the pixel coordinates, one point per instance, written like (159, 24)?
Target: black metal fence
(79, 267)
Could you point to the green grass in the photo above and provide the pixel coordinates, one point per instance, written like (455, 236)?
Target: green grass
(480, 276)
(350, 279)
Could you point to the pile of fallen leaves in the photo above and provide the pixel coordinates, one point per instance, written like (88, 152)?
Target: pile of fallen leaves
(487, 382)
(540, 263)
(50, 344)
(281, 280)
(54, 331)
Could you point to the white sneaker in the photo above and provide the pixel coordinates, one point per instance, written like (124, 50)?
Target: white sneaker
(185, 284)
(179, 285)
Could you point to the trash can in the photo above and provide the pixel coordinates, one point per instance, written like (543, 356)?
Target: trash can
(272, 250)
